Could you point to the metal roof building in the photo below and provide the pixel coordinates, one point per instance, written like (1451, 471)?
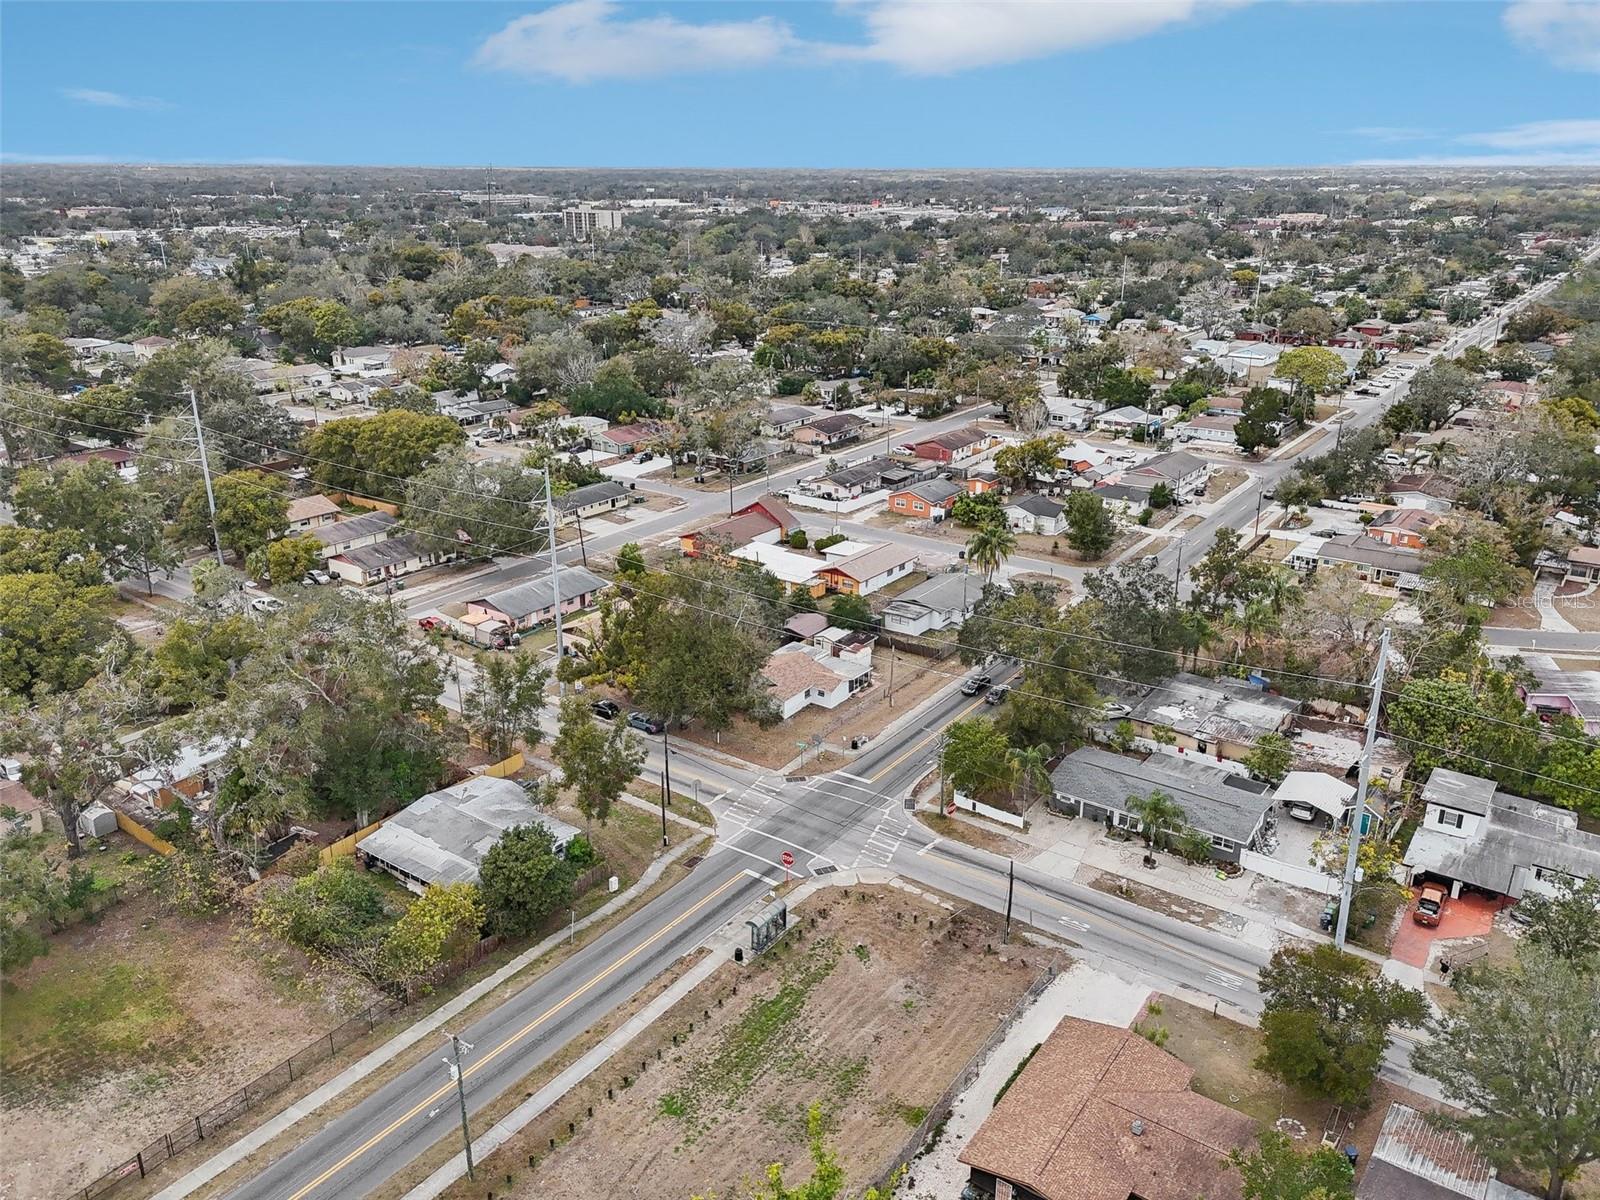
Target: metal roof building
(443, 836)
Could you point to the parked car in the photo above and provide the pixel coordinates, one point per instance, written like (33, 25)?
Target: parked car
(429, 624)
(644, 723)
(978, 683)
(1430, 905)
(1300, 810)
(606, 710)
(997, 695)
(266, 604)
(317, 578)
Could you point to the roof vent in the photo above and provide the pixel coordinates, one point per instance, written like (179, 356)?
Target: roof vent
(1138, 1127)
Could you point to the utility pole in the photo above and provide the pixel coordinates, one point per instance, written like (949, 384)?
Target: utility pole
(1010, 895)
(205, 472)
(461, 1095)
(1177, 574)
(666, 781)
(555, 582)
(1363, 776)
(892, 656)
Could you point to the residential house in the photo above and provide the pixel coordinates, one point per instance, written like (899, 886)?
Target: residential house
(1475, 835)
(443, 837)
(1214, 430)
(146, 348)
(1414, 1159)
(1227, 808)
(1583, 564)
(1432, 492)
(391, 558)
(1184, 473)
(939, 603)
(591, 500)
(1574, 694)
(980, 481)
(124, 461)
(499, 373)
(870, 571)
(355, 532)
(1123, 499)
(830, 432)
(363, 360)
(1036, 514)
(797, 572)
(767, 520)
(311, 512)
(1101, 1113)
(1405, 528)
(623, 440)
(803, 675)
(804, 626)
(1370, 561)
(354, 391)
(1223, 718)
(925, 498)
(1123, 421)
(526, 605)
(1065, 413)
(784, 419)
(956, 446)
(299, 377)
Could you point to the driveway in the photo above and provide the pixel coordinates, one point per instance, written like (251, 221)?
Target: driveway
(1466, 916)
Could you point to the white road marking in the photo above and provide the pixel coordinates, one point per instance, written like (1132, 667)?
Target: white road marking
(931, 845)
(747, 853)
(1081, 926)
(1221, 980)
(858, 778)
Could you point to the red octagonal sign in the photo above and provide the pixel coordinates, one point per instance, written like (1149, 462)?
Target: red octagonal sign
(788, 858)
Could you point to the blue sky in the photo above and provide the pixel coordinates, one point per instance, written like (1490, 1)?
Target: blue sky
(857, 83)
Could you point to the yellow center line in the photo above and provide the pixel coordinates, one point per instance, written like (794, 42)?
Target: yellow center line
(1091, 915)
(923, 741)
(483, 1062)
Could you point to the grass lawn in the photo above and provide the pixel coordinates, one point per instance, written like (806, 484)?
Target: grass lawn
(684, 805)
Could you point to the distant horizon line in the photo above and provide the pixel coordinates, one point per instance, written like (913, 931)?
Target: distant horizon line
(86, 161)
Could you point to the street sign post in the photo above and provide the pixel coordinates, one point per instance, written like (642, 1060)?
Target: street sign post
(788, 861)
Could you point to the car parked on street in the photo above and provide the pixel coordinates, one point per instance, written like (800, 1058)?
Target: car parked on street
(978, 683)
(606, 710)
(644, 723)
(997, 695)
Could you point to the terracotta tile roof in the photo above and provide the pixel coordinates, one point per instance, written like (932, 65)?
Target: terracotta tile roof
(1066, 1129)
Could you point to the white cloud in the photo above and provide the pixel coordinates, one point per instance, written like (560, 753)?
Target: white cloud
(1570, 142)
(1540, 134)
(583, 40)
(103, 99)
(943, 37)
(1565, 31)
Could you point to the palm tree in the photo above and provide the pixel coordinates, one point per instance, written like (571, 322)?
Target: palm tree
(1280, 591)
(1257, 616)
(1027, 766)
(1195, 632)
(1440, 453)
(1159, 817)
(990, 546)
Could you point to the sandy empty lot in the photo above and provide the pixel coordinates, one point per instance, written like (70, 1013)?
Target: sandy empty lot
(865, 1012)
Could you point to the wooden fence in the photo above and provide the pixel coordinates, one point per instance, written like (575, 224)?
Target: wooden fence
(506, 767)
(140, 834)
(346, 845)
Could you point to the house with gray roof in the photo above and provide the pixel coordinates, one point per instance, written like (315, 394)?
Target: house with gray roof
(443, 837)
(1036, 514)
(532, 603)
(1223, 718)
(391, 558)
(938, 603)
(591, 500)
(1475, 835)
(365, 530)
(1415, 1159)
(1097, 784)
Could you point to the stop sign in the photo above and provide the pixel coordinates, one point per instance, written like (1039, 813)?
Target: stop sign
(788, 858)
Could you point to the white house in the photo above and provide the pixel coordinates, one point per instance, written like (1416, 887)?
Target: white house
(1217, 430)
(939, 603)
(1475, 835)
(797, 572)
(1036, 514)
(1181, 471)
(363, 360)
(389, 559)
(802, 675)
(1125, 420)
(870, 571)
(354, 533)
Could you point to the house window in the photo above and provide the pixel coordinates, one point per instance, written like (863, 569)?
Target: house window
(1221, 843)
(1551, 874)
(1453, 820)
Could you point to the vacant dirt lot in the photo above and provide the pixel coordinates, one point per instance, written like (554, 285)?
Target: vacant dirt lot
(866, 1013)
(124, 1029)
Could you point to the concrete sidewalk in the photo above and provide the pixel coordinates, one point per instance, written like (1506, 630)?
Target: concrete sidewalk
(404, 1040)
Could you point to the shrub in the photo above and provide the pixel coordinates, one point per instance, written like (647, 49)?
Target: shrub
(581, 852)
(798, 539)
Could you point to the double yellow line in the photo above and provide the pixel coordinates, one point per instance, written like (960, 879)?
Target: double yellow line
(488, 1058)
